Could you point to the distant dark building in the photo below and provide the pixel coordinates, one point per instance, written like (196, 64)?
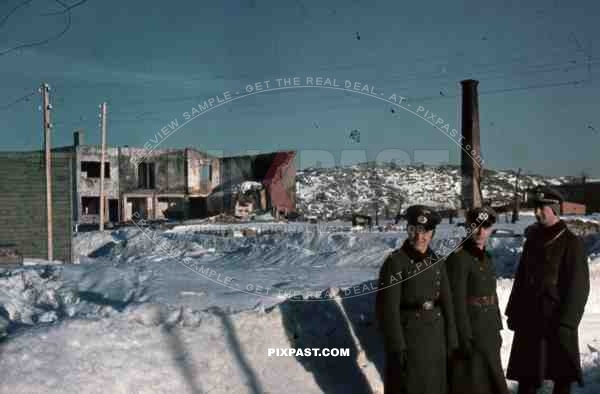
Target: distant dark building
(574, 203)
(587, 194)
(572, 208)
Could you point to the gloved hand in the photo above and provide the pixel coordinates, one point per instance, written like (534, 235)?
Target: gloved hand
(399, 359)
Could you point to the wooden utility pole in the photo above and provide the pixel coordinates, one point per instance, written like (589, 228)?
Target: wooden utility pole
(46, 108)
(470, 146)
(515, 215)
(103, 117)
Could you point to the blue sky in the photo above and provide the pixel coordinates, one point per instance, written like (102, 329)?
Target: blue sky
(152, 61)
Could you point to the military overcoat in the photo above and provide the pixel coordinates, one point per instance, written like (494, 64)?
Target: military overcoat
(408, 279)
(546, 305)
(477, 367)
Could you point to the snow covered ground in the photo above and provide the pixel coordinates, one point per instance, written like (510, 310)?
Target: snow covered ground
(138, 316)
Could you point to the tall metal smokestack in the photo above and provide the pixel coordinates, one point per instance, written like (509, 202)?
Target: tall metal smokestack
(470, 146)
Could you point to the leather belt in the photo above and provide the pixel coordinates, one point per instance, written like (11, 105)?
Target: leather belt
(427, 305)
(480, 301)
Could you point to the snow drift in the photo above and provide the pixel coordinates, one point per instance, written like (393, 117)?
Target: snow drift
(131, 319)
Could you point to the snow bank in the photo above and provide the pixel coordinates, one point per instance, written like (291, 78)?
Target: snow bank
(131, 266)
(131, 318)
(149, 349)
(50, 293)
(145, 349)
(94, 242)
(592, 218)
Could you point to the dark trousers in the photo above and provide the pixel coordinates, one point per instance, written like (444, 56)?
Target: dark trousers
(559, 388)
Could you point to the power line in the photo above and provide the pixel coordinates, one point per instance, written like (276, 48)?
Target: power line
(567, 65)
(557, 66)
(16, 101)
(515, 60)
(530, 69)
(66, 8)
(473, 70)
(505, 90)
(37, 43)
(140, 118)
(433, 98)
(534, 70)
(15, 8)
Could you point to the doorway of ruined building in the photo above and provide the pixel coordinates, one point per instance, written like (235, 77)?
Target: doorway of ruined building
(113, 210)
(90, 210)
(139, 207)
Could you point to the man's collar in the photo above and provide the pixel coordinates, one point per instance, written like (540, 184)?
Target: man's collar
(471, 247)
(415, 254)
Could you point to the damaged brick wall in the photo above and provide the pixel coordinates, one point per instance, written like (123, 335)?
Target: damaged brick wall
(276, 171)
(280, 182)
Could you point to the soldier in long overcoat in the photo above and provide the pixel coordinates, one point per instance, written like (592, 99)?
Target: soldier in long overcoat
(547, 301)
(476, 367)
(414, 307)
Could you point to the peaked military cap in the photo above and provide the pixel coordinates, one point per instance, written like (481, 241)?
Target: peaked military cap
(422, 215)
(546, 195)
(485, 216)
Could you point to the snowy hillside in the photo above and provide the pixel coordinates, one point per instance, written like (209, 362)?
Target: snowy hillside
(131, 318)
(331, 193)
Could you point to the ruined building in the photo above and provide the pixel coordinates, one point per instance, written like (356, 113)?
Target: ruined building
(178, 183)
(163, 183)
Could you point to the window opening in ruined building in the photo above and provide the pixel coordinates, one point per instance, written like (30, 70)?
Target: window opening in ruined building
(146, 176)
(90, 205)
(206, 172)
(92, 169)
